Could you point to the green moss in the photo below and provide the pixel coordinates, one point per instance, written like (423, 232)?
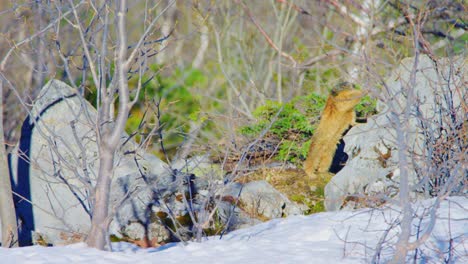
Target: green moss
(216, 226)
(296, 185)
(184, 220)
(114, 238)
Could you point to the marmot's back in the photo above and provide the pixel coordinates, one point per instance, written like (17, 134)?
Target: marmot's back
(337, 116)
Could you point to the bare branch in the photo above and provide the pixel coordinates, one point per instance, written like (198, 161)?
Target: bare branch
(84, 44)
(145, 34)
(265, 35)
(32, 37)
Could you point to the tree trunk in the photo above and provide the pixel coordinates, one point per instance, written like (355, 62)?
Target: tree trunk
(98, 234)
(7, 207)
(109, 137)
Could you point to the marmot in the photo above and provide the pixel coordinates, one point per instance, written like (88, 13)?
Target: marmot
(336, 118)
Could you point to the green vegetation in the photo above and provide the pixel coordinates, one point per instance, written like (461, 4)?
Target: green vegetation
(292, 124)
(313, 202)
(366, 108)
(171, 97)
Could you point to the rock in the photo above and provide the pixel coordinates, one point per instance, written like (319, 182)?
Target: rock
(247, 204)
(363, 168)
(371, 169)
(230, 211)
(240, 205)
(55, 167)
(261, 199)
(54, 170)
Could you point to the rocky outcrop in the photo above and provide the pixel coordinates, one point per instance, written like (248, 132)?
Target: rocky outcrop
(55, 167)
(371, 174)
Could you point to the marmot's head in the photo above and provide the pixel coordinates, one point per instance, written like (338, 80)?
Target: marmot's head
(346, 96)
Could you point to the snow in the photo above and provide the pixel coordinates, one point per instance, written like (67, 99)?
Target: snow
(332, 237)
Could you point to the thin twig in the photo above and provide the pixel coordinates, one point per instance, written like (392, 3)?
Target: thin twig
(265, 35)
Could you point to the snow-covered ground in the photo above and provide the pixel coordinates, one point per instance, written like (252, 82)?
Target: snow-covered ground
(342, 237)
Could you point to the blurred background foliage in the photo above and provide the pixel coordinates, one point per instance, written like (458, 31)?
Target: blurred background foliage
(222, 69)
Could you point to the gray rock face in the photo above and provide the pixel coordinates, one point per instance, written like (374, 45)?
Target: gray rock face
(260, 198)
(229, 209)
(257, 201)
(55, 167)
(372, 168)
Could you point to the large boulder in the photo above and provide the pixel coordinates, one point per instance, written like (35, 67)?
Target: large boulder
(54, 169)
(371, 174)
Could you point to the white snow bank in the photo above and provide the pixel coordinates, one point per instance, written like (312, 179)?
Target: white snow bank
(337, 237)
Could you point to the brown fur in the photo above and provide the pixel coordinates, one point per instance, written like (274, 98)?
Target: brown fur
(337, 116)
